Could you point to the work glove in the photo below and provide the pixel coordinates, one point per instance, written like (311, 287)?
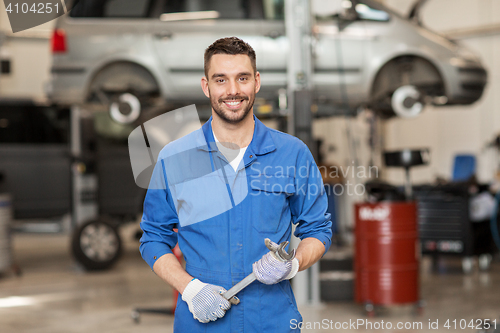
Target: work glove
(270, 270)
(205, 301)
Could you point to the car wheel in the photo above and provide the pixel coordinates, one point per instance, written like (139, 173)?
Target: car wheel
(96, 245)
(403, 86)
(125, 109)
(126, 90)
(407, 102)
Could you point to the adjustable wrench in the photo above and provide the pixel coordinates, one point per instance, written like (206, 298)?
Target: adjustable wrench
(280, 254)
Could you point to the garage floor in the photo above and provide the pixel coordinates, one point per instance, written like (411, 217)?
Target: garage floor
(54, 296)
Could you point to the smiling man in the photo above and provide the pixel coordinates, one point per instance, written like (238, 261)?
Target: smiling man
(232, 90)
(243, 182)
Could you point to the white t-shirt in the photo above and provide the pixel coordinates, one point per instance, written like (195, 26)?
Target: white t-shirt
(234, 156)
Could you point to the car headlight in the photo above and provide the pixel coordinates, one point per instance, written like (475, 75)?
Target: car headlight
(465, 57)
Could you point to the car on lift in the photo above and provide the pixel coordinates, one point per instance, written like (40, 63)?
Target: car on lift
(130, 55)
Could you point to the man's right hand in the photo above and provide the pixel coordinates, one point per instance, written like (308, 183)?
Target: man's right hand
(205, 301)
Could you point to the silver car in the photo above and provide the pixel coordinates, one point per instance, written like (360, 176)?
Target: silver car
(133, 54)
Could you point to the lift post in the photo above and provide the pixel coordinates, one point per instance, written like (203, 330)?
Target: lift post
(299, 85)
(84, 184)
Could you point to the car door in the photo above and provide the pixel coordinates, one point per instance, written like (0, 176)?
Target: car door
(344, 33)
(187, 27)
(338, 54)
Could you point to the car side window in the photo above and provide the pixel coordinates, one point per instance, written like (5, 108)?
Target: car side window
(224, 9)
(126, 8)
(112, 9)
(274, 9)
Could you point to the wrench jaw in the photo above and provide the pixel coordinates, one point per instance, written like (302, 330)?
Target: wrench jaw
(280, 251)
(286, 256)
(271, 246)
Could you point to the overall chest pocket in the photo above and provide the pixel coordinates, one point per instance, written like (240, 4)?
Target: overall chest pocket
(270, 201)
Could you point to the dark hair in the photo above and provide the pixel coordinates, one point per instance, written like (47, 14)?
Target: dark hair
(229, 45)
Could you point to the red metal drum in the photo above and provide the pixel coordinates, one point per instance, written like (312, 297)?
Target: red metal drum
(386, 253)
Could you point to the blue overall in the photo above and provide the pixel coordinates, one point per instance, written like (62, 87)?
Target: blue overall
(224, 216)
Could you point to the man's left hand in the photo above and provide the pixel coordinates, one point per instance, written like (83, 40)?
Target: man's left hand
(271, 270)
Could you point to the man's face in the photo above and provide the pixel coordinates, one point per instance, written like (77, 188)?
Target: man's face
(231, 86)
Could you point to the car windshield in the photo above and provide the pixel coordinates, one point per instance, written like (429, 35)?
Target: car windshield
(395, 12)
(367, 12)
(350, 10)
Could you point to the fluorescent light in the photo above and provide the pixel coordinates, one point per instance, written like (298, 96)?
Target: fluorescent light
(203, 15)
(13, 301)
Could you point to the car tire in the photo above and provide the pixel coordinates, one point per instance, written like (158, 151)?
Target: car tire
(400, 79)
(126, 90)
(96, 245)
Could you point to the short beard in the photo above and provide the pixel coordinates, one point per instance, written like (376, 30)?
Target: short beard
(223, 115)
